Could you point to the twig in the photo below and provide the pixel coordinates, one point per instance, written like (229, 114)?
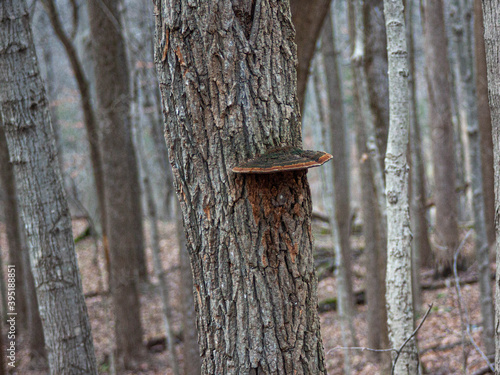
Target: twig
(398, 351)
(409, 338)
(362, 348)
(465, 310)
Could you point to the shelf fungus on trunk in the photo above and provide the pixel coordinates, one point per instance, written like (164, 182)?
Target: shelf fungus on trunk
(283, 159)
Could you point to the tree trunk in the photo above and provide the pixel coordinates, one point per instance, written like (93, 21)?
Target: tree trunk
(421, 249)
(491, 14)
(88, 112)
(308, 18)
(455, 33)
(467, 85)
(373, 228)
(443, 151)
(375, 66)
(27, 127)
(12, 229)
(228, 81)
(344, 290)
(152, 217)
(121, 182)
(28, 316)
(338, 145)
(484, 121)
(399, 286)
(192, 363)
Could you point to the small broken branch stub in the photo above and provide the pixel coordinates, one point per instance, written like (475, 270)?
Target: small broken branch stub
(283, 159)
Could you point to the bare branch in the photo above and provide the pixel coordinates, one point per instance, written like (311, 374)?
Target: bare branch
(411, 336)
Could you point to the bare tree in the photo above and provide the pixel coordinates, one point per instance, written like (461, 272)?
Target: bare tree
(26, 123)
(375, 67)
(399, 286)
(307, 17)
(491, 14)
(443, 150)
(467, 88)
(88, 111)
(121, 180)
(372, 190)
(229, 92)
(484, 122)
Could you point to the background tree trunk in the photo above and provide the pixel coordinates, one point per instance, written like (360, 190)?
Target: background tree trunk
(467, 86)
(27, 127)
(189, 331)
(249, 236)
(322, 133)
(484, 121)
(121, 183)
(375, 66)
(399, 286)
(421, 248)
(491, 14)
(308, 18)
(338, 145)
(443, 150)
(373, 227)
(88, 112)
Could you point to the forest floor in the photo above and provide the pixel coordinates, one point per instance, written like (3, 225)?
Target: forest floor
(439, 339)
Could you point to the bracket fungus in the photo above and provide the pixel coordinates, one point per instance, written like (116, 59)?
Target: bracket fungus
(283, 159)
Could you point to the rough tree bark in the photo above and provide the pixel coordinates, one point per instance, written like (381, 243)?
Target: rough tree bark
(443, 150)
(228, 82)
(28, 130)
(308, 17)
(12, 229)
(121, 180)
(26, 302)
(467, 88)
(491, 14)
(398, 280)
(484, 121)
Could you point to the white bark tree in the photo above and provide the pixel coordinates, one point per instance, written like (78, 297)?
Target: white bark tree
(28, 129)
(398, 280)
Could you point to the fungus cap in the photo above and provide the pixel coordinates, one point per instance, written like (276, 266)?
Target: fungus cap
(283, 159)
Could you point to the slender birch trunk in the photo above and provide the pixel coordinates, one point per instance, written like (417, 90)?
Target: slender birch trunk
(491, 14)
(43, 204)
(399, 293)
(468, 94)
